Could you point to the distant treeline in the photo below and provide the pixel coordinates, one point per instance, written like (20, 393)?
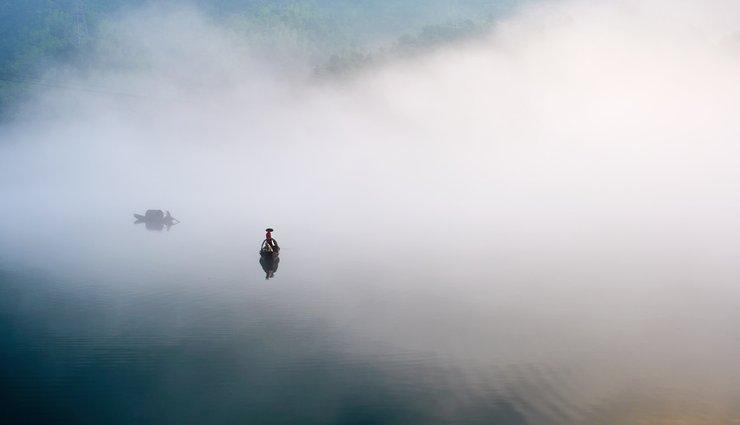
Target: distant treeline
(427, 38)
(36, 34)
(338, 36)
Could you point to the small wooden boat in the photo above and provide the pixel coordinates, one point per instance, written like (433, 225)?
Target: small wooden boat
(156, 219)
(269, 249)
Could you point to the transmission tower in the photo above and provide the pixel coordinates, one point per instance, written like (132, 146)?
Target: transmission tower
(80, 22)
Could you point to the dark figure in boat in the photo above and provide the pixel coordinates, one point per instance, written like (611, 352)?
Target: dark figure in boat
(156, 220)
(269, 246)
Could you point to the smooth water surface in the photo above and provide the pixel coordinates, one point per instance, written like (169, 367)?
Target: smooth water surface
(112, 323)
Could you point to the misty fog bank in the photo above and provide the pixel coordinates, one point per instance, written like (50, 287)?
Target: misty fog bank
(545, 215)
(607, 123)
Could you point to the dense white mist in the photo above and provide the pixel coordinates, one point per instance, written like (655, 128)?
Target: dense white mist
(613, 122)
(580, 144)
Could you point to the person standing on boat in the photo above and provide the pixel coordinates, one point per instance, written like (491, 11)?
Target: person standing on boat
(270, 242)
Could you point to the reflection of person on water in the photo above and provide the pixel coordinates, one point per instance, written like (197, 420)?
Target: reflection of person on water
(270, 244)
(269, 265)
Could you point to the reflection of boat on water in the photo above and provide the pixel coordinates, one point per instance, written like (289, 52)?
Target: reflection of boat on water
(156, 220)
(269, 263)
(269, 257)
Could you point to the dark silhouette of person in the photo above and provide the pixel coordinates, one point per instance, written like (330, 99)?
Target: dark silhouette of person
(270, 244)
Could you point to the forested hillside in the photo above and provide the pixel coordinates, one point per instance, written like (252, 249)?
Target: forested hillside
(334, 35)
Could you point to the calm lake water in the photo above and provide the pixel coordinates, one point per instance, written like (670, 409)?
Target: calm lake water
(107, 323)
